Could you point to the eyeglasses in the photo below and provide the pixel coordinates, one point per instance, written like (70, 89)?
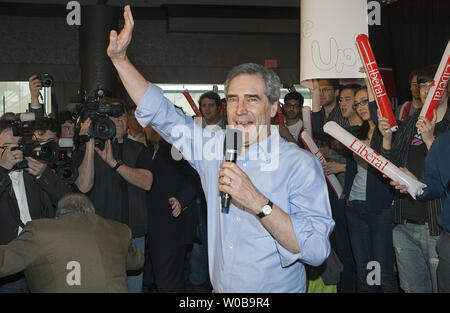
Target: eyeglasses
(363, 102)
(425, 85)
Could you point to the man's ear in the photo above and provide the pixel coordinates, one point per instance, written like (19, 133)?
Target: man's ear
(274, 108)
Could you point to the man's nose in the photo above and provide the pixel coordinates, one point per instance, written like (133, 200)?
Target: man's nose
(242, 108)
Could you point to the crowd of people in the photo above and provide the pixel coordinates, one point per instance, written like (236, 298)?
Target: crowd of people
(133, 198)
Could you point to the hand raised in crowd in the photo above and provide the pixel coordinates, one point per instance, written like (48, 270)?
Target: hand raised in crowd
(106, 154)
(400, 187)
(176, 207)
(314, 88)
(426, 129)
(383, 126)
(10, 158)
(333, 168)
(238, 185)
(35, 167)
(35, 86)
(118, 44)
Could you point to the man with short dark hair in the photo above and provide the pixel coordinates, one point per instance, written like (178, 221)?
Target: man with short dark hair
(410, 107)
(209, 104)
(324, 107)
(293, 104)
(78, 251)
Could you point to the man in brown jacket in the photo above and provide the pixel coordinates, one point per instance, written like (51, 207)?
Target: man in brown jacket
(78, 251)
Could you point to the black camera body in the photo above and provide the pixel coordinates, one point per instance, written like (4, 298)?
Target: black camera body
(46, 79)
(102, 128)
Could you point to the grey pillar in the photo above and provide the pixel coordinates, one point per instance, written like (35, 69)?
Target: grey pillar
(96, 67)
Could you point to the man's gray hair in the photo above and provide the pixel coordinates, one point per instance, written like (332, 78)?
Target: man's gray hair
(271, 80)
(74, 202)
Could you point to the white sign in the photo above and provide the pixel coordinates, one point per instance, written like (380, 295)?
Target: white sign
(327, 40)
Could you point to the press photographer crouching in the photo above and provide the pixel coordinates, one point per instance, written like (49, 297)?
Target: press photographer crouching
(29, 189)
(114, 171)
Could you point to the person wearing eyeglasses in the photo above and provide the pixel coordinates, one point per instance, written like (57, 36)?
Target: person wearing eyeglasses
(410, 107)
(417, 230)
(368, 203)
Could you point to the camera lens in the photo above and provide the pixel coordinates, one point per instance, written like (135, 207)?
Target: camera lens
(104, 128)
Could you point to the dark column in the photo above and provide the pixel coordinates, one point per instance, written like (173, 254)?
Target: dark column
(96, 67)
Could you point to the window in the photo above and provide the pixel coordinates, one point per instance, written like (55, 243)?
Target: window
(15, 96)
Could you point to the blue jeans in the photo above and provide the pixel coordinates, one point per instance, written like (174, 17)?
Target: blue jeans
(443, 269)
(417, 259)
(14, 284)
(134, 279)
(371, 239)
(199, 256)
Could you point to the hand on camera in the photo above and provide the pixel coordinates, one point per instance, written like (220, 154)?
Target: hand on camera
(10, 158)
(106, 154)
(35, 167)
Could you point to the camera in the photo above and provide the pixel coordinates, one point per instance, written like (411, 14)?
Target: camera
(46, 79)
(94, 107)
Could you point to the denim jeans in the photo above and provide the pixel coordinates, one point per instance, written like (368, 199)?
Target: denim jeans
(135, 278)
(417, 259)
(371, 239)
(14, 284)
(199, 255)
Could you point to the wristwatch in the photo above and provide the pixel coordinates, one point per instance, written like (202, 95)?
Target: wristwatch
(266, 210)
(118, 164)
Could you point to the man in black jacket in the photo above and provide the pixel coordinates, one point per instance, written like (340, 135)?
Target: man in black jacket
(170, 215)
(25, 195)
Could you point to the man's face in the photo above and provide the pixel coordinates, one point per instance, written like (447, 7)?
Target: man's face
(293, 109)
(346, 101)
(121, 123)
(67, 130)
(45, 137)
(210, 110)
(7, 139)
(133, 125)
(327, 93)
(248, 107)
(414, 88)
(424, 88)
(362, 104)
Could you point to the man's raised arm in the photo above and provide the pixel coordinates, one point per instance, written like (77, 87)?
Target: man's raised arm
(134, 82)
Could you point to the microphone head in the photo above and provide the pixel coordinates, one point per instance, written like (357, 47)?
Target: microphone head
(233, 140)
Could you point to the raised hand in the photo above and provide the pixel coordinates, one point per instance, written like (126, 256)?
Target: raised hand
(118, 44)
(426, 129)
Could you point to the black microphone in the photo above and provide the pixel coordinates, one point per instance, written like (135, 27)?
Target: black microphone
(232, 145)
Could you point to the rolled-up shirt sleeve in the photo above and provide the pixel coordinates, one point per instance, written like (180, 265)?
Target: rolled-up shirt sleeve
(310, 214)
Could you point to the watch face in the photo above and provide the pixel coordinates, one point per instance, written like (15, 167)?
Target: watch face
(267, 209)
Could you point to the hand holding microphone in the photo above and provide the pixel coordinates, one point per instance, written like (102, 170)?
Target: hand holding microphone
(232, 146)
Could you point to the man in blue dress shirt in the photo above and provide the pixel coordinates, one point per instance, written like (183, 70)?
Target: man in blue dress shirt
(280, 215)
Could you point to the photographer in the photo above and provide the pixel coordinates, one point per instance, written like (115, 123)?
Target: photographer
(25, 195)
(116, 179)
(35, 84)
